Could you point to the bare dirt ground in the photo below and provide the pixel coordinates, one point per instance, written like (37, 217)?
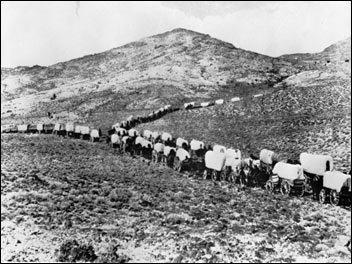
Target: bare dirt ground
(120, 208)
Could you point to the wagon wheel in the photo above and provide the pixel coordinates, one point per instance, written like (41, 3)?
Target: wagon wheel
(205, 174)
(322, 196)
(154, 157)
(232, 177)
(308, 186)
(214, 175)
(223, 175)
(285, 188)
(302, 191)
(334, 197)
(177, 164)
(163, 160)
(269, 186)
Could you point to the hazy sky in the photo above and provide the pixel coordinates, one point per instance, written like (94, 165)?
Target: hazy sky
(45, 33)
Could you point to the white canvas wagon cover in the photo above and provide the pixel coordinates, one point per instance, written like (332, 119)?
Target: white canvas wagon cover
(115, 139)
(168, 149)
(147, 133)
(159, 147)
(289, 171)
(231, 155)
(121, 131)
(94, 133)
(182, 154)
(266, 156)
(196, 144)
(335, 180)
(155, 134)
(132, 132)
(214, 160)
(180, 141)
(85, 130)
(218, 148)
(139, 140)
(166, 136)
(315, 164)
(22, 127)
(40, 127)
(189, 104)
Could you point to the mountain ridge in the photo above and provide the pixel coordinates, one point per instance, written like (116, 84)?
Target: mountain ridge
(174, 66)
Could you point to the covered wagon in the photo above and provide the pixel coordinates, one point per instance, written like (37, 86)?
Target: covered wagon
(59, 129)
(287, 177)
(233, 165)
(169, 155)
(70, 129)
(182, 156)
(314, 168)
(22, 128)
(158, 152)
(336, 185)
(214, 163)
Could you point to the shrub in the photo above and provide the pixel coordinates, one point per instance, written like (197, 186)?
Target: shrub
(71, 251)
(111, 256)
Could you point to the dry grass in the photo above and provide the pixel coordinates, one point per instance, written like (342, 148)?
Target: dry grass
(128, 210)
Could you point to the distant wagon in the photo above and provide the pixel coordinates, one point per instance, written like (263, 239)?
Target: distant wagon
(70, 129)
(189, 105)
(22, 128)
(32, 128)
(219, 102)
(59, 129)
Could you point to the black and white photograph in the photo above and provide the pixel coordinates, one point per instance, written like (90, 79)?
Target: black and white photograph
(176, 131)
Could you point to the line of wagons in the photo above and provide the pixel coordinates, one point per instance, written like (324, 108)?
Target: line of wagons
(312, 174)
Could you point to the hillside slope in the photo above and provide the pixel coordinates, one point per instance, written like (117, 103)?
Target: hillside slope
(168, 67)
(315, 119)
(337, 56)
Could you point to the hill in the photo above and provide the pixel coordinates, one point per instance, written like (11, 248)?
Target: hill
(337, 56)
(175, 66)
(314, 119)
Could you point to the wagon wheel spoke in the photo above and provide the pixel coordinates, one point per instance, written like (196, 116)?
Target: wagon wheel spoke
(285, 188)
(334, 197)
(214, 175)
(322, 196)
(223, 175)
(302, 191)
(308, 186)
(269, 186)
(205, 175)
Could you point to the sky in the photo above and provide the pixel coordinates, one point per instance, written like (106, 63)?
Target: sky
(45, 33)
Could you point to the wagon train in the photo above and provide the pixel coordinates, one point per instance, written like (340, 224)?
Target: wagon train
(312, 173)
